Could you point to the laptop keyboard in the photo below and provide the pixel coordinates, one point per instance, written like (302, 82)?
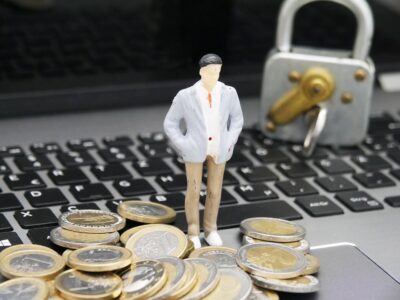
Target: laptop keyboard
(264, 178)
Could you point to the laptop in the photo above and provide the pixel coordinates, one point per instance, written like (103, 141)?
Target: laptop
(84, 89)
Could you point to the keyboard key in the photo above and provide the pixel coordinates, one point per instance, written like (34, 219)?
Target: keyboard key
(396, 173)
(8, 239)
(393, 201)
(75, 159)
(90, 192)
(24, 181)
(152, 137)
(9, 202)
(379, 143)
(359, 201)
(335, 184)
(255, 174)
(41, 236)
(295, 188)
(350, 150)
(379, 124)
(181, 164)
(4, 225)
(238, 159)
(44, 148)
(374, 180)
(228, 179)
(4, 168)
(115, 155)
(319, 153)
(318, 206)
(118, 141)
(371, 162)
(152, 167)
(110, 172)
(74, 207)
(43, 198)
(11, 151)
(394, 154)
(226, 197)
(134, 187)
(255, 192)
(296, 170)
(68, 176)
(36, 218)
(267, 142)
(81, 144)
(174, 200)
(172, 183)
(270, 155)
(33, 163)
(334, 166)
(243, 143)
(158, 150)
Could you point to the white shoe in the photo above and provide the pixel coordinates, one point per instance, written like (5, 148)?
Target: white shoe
(213, 239)
(196, 241)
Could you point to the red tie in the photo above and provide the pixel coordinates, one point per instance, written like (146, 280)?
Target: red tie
(209, 99)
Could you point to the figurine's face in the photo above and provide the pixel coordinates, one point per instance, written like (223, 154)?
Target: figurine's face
(210, 74)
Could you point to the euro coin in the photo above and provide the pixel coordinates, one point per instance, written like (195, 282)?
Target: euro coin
(234, 284)
(302, 245)
(143, 279)
(100, 258)
(73, 284)
(24, 288)
(262, 294)
(65, 255)
(128, 233)
(301, 284)
(208, 278)
(24, 247)
(312, 265)
(271, 260)
(32, 263)
(75, 240)
(91, 221)
(157, 240)
(175, 269)
(224, 257)
(190, 278)
(189, 249)
(146, 212)
(272, 230)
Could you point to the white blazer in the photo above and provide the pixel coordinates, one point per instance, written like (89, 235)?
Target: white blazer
(185, 125)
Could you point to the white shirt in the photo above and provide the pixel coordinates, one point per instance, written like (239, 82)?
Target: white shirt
(211, 115)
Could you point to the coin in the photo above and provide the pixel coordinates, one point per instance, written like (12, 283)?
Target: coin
(100, 258)
(157, 240)
(32, 263)
(128, 233)
(312, 265)
(146, 212)
(73, 284)
(262, 294)
(208, 278)
(91, 221)
(175, 270)
(234, 284)
(24, 247)
(65, 255)
(190, 276)
(189, 249)
(75, 240)
(271, 260)
(302, 245)
(24, 288)
(224, 257)
(301, 284)
(272, 230)
(143, 279)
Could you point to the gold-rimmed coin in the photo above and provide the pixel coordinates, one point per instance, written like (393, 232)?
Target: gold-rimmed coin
(189, 249)
(24, 247)
(91, 221)
(65, 255)
(302, 245)
(142, 280)
(73, 284)
(312, 265)
(100, 258)
(75, 240)
(128, 233)
(262, 294)
(157, 240)
(271, 260)
(24, 288)
(272, 230)
(208, 278)
(146, 212)
(32, 263)
(190, 276)
(224, 257)
(301, 284)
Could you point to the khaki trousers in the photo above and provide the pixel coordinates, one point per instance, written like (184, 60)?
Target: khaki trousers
(215, 174)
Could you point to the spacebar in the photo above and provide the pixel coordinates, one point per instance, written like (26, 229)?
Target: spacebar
(231, 216)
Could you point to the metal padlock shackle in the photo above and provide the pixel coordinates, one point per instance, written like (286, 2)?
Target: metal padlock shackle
(361, 10)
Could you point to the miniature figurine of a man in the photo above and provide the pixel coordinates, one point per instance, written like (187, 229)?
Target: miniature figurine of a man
(203, 124)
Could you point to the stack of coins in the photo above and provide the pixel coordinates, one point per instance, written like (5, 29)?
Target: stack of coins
(82, 228)
(276, 256)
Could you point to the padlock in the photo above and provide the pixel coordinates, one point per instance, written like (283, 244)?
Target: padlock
(311, 94)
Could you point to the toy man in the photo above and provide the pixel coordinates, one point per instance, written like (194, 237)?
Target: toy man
(203, 124)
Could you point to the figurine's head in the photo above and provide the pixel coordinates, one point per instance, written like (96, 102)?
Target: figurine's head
(210, 67)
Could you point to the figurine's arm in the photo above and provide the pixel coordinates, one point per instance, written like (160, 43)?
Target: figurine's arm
(236, 115)
(172, 120)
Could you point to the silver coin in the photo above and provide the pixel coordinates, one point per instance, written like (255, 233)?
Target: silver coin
(156, 244)
(32, 263)
(99, 255)
(272, 229)
(208, 278)
(91, 221)
(224, 257)
(146, 210)
(76, 240)
(257, 294)
(24, 289)
(301, 284)
(302, 245)
(271, 260)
